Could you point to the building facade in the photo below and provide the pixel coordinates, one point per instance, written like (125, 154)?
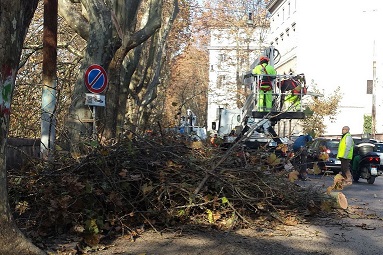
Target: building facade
(231, 53)
(332, 45)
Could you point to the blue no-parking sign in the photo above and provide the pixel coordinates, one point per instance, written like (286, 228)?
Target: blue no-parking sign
(96, 79)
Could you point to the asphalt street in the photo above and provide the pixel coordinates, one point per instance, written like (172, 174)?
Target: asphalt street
(362, 194)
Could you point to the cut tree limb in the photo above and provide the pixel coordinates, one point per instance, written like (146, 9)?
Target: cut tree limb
(235, 145)
(339, 199)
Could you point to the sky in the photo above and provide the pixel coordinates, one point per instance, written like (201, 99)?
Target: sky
(340, 40)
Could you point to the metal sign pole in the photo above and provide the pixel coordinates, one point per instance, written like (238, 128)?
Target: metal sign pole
(94, 123)
(96, 81)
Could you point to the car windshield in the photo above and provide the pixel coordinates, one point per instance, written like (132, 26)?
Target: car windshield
(332, 144)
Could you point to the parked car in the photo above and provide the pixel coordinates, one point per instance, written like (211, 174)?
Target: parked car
(324, 148)
(363, 140)
(378, 149)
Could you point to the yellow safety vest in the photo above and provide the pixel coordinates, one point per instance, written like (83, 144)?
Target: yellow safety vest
(342, 148)
(265, 82)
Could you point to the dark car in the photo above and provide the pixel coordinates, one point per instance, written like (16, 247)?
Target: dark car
(363, 140)
(324, 148)
(378, 149)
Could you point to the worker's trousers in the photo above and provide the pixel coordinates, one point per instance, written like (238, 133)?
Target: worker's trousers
(292, 103)
(265, 100)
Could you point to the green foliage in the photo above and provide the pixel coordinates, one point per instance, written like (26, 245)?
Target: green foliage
(367, 124)
(308, 112)
(210, 217)
(91, 226)
(318, 109)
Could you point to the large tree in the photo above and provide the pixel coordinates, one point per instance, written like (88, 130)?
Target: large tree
(188, 86)
(318, 109)
(127, 38)
(15, 17)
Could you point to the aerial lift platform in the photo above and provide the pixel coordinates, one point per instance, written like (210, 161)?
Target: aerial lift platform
(287, 93)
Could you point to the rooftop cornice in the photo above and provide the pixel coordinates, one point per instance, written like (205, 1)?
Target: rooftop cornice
(273, 5)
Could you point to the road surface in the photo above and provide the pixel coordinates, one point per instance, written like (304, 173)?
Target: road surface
(362, 194)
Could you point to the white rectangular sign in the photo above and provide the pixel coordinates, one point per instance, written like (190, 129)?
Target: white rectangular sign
(94, 99)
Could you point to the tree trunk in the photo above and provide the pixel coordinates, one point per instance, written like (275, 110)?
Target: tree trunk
(113, 103)
(141, 94)
(15, 17)
(100, 50)
(131, 38)
(112, 34)
(339, 199)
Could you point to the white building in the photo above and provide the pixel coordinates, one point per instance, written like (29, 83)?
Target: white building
(231, 52)
(332, 43)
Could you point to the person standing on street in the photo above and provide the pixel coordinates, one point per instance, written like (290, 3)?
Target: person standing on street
(300, 150)
(265, 76)
(345, 151)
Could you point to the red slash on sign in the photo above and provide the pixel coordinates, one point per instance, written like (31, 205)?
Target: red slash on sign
(96, 79)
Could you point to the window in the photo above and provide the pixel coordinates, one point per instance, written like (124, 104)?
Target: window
(332, 144)
(222, 57)
(220, 81)
(378, 147)
(370, 87)
(289, 9)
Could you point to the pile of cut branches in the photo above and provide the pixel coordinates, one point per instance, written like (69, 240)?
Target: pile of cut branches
(156, 182)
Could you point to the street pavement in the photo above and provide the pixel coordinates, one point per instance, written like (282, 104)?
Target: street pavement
(360, 194)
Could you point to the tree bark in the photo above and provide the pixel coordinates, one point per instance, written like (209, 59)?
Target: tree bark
(15, 17)
(99, 50)
(131, 38)
(148, 69)
(112, 34)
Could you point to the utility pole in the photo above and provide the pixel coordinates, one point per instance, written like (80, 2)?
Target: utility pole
(48, 104)
(373, 111)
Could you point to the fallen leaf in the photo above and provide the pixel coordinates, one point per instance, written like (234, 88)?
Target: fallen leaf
(273, 160)
(316, 168)
(123, 173)
(291, 221)
(293, 176)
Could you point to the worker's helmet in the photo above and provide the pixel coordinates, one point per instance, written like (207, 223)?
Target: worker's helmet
(264, 59)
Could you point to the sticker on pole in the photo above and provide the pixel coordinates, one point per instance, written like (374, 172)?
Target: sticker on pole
(95, 79)
(94, 99)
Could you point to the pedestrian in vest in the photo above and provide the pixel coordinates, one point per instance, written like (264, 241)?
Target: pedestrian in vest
(265, 76)
(300, 151)
(345, 151)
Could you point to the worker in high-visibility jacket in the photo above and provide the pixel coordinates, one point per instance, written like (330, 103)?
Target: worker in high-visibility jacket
(345, 152)
(293, 100)
(265, 76)
(293, 89)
